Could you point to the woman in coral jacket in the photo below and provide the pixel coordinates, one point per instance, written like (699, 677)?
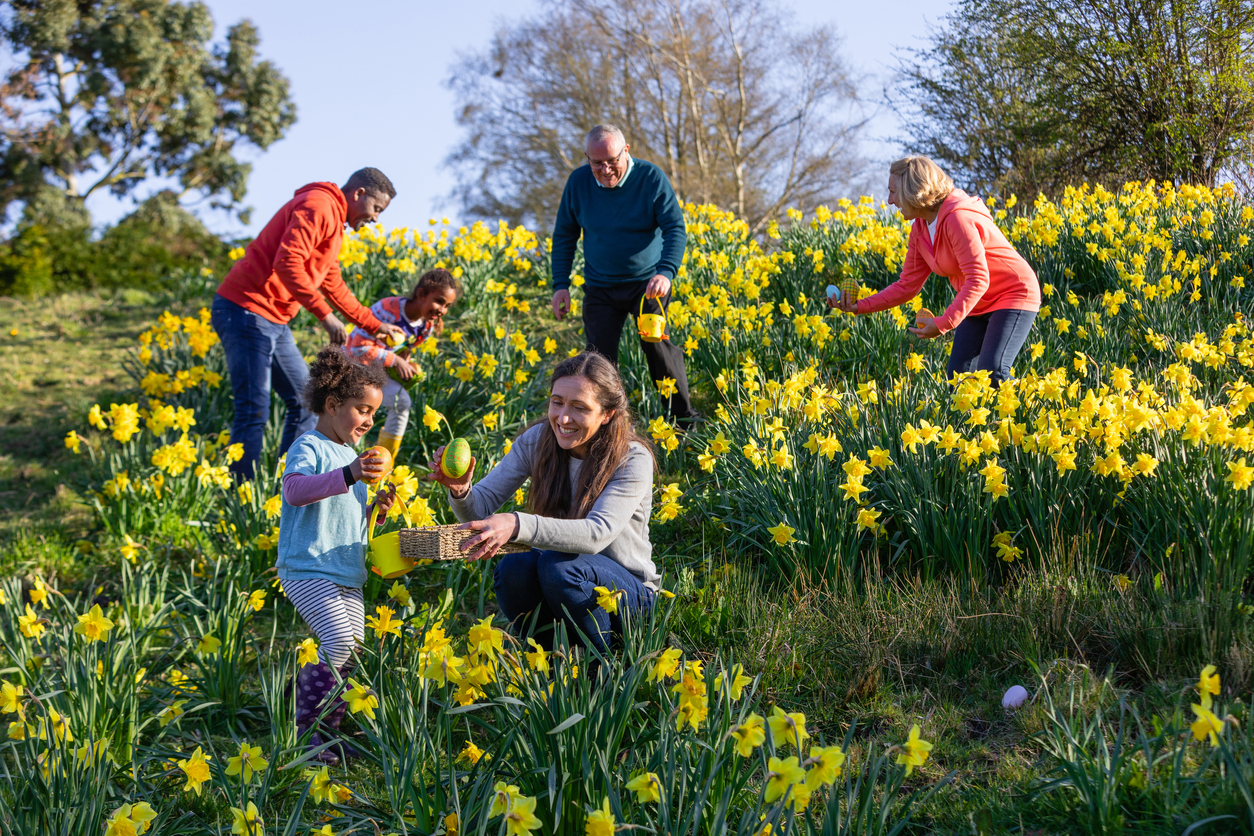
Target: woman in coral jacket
(953, 235)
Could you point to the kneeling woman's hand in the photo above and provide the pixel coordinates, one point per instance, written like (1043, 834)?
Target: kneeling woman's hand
(459, 486)
(494, 532)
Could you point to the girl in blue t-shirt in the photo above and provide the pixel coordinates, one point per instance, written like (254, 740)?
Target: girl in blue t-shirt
(322, 527)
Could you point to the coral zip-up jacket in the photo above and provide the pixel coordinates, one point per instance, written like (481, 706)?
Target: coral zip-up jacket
(295, 261)
(985, 270)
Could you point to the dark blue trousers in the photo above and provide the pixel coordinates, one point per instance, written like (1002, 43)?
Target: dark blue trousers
(260, 354)
(561, 588)
(990, 342)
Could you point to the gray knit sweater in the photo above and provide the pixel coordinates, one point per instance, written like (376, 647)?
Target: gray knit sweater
(617, 525)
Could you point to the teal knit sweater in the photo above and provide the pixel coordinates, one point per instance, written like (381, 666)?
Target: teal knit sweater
(630, 233)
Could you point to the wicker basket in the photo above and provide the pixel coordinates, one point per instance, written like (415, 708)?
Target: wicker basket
(443, 542)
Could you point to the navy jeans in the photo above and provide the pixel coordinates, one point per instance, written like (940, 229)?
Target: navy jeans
(555, 584)
(260, 354)
(990, 342)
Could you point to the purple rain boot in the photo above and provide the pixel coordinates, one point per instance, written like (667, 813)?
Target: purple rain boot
(313, 683)
(331, 722)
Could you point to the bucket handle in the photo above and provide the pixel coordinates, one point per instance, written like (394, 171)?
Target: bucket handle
(661, 308)
(372, 519)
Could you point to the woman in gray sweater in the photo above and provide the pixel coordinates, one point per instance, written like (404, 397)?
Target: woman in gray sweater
(590, 500)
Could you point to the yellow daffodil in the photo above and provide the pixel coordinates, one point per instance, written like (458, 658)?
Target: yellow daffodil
(400, 594)
(916, 751)
(866, 520)
(470, 753)
(1208, 685)
(94, 626)
(1206, 725)
(520, 819)
(321, 787)
(196, 770)
(782, 534)
(10, 697)
(825, 765)
(360, 699)
(607, 599)
(647, 787)
(307, 653)
(1240, 475)
(749, 734)
(383, 623)
(248, 761)
(537, 657)
(39, 593)
(246, 821)
(208, 645)
(171, 712)
(788, 728)
(601, 821)
(736, 682)
(666, 666)
(782, 776)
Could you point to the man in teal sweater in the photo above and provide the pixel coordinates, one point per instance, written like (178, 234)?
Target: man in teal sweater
(633, 244)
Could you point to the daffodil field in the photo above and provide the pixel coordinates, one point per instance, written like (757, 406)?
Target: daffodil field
(835, 455)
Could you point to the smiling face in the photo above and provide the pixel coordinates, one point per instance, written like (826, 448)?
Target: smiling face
(365, 207)
(348, 422)
(608, 158)
(431, 306)
(575, 414)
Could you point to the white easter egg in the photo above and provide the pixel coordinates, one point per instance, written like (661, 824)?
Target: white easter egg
(833, 292)
(1016, 696)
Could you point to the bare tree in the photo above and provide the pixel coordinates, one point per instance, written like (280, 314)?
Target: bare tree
(736, 105)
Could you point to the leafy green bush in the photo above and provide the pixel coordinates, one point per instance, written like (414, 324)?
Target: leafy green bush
(153, 248)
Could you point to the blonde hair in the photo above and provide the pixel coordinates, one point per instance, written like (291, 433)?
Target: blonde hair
(922, 185)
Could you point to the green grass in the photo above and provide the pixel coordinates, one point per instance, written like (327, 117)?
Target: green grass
(903, 652)
(58, 356)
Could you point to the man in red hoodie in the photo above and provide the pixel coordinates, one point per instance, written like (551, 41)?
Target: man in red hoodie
(293, 263)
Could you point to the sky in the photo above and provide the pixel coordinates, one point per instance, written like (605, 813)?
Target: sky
(369, 90)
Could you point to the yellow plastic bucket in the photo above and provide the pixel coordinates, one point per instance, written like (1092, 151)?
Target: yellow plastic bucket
(385, 551)
(652, 327)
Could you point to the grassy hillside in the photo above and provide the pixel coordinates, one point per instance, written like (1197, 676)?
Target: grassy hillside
(854, 548)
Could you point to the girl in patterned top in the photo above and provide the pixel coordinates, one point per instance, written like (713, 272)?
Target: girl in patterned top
(417, 315)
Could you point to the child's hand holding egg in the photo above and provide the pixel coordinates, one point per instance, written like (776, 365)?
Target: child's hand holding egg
(373, 465)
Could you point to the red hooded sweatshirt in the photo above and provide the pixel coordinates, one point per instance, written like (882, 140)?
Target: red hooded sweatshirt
(295, 261)
(985, 270)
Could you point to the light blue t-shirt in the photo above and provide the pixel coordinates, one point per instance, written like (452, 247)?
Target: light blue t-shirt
(327, 538)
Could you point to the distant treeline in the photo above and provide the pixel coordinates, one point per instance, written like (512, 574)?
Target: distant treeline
(147, 249)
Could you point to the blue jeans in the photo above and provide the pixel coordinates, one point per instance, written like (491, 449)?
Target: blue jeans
(561, 587)
(260, 354)
(990, 342)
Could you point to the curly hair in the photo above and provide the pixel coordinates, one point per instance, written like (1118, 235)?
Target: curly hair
(437, 279)
(334, 374)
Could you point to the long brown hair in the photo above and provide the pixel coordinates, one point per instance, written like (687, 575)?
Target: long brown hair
(550, 494)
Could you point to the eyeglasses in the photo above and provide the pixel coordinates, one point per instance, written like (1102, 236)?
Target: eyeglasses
(605, 163)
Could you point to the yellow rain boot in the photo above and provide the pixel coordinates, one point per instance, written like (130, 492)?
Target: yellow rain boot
(391, 443)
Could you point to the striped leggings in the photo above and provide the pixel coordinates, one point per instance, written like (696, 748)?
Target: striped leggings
(336, 614)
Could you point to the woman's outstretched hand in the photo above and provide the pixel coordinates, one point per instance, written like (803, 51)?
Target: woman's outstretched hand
(844, 303)
(925, 328)
(459, 486)
(494, 533)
